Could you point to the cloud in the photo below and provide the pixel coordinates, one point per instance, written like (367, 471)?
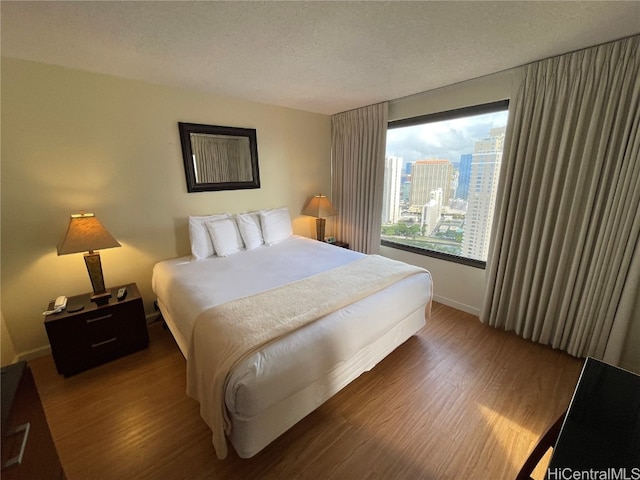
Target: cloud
(447, 139)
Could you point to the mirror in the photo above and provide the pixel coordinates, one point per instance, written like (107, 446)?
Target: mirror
(219, 158)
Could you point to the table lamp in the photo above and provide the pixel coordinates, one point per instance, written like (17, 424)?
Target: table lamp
(86, 234)
(319, 206)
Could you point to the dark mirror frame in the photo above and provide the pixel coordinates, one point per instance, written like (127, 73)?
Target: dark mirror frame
(186, 129)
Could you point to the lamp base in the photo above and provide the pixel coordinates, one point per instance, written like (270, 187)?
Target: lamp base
(101, 298)
(320, 224)
(94, 267)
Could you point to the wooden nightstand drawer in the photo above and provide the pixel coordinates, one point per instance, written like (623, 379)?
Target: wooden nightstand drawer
(82, 356)
(92, 324)
(94, 335)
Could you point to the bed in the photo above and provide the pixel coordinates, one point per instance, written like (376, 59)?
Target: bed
(339, 332)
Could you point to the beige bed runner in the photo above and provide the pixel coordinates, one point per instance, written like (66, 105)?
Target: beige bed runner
(225, 335)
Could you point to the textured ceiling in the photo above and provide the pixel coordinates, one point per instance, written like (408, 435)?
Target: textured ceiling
(324, 57)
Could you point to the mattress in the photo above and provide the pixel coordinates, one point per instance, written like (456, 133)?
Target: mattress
(268, 392)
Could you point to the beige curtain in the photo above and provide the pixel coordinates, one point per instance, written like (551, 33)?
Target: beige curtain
(563, 265)
(358, 144)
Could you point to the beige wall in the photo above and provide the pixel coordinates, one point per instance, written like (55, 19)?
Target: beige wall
(456, 285)
(74, 140)
(7, 350)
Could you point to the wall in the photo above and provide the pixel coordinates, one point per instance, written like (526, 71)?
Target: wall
(73, 140)
(456, 285)
(7, 350)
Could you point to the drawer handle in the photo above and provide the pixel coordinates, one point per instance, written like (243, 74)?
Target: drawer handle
(99, 344)
(97, 319)
(18, 458)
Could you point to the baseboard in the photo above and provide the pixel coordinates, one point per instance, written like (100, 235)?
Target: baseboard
(153, 317)
(33, 354)
(457, 305)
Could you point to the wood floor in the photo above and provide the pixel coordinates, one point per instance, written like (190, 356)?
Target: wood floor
(458, 401)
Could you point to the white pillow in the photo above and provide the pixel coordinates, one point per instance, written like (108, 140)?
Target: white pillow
(225, 236)
(201, 246)
(250, 231)
(276, 225)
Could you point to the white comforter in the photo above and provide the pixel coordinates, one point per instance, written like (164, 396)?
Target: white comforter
(186, 288)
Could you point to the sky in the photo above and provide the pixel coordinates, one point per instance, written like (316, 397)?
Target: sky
(447, 139)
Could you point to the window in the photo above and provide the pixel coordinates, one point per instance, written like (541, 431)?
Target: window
(440, 182)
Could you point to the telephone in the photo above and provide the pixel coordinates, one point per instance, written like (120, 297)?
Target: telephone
(59, 304)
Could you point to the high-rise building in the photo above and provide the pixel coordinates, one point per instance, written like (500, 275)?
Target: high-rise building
(465, 174)
(427, 176)
(453, 187)
(483, 182)
(408, 168)
(391, 190)
(405, 189)
(431, 212)
(458, 204)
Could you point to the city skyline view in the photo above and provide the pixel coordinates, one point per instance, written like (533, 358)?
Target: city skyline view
(446, 139)
(441, 182)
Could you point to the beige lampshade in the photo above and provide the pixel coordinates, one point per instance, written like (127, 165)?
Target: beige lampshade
(85, 234)
(319, 206)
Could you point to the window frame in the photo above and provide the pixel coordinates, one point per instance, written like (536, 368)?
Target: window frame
(468, 111)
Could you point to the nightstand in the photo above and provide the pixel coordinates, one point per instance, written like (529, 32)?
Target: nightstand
(97, 334)
(341, 244)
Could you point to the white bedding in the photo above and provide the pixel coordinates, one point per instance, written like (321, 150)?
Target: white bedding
(187, 288)
(267, 387)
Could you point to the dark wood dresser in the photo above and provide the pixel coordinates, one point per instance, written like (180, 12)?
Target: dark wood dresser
(28, 451)
(601, 430)
(97, 334)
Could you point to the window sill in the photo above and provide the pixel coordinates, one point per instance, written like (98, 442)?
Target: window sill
(430, 253)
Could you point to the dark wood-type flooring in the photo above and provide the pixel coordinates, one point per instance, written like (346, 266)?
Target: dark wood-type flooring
(460, 400)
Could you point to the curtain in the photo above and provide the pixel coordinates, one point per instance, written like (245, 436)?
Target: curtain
(218, 158)
(563, 262)
(358, 144)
